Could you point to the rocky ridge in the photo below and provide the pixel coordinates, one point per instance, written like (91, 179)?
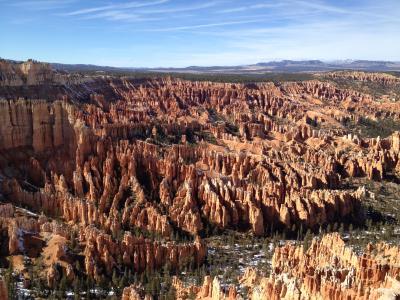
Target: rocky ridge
(133, 166)
(385, 79)
(329, 270)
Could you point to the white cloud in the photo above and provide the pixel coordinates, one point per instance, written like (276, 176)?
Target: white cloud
(229, 32)
(252, 7)
(42, 4)
(191, 27)
(122, 6)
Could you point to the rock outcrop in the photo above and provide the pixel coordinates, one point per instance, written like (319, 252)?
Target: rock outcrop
(131, 293)
(210, 290)
(102, 253)
(328, 270)
(37, 124)
(33, 73)
(382, 78)
(122, 167)
(139, 169)
(3, 290)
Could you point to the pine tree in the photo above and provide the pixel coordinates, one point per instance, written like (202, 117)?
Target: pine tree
(307, 240)
(335, 226)
(10, 281)
(76, 287)
(78, 266)
(63, 285)
(341, 228)
(115, 280)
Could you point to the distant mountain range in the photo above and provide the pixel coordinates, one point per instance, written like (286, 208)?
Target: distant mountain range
(284, 66)
(295, 66)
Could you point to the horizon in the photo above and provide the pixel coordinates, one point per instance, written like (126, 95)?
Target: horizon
(332, 62)
(179, 34)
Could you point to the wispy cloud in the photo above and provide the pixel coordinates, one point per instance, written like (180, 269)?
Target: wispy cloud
(138, 11)
(133, 11)
(190, 27)
(206, 32)
(182, 8)
(321, 6)
(42, 4)
(119, 15)
(251, 7)
(122, 6)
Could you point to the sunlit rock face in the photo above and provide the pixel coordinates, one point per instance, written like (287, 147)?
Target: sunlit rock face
(121, 161)
(219, 153)
(3, 290)
(329, 270)
(382, 78)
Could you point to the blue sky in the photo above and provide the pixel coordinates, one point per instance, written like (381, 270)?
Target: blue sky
(152, 33)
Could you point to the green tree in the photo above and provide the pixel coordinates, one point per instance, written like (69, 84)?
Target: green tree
(341, 228)
(115, 280)
(63, 285)
(11, 282)
(307, 240)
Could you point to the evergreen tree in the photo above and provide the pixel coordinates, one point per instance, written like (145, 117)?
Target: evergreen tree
(341, 228)
(11, 282)
(62, 287)
(78, 266)
(307, 240)
(76, 287)
(115, 280)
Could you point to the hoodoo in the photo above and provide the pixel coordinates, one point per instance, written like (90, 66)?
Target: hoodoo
(129, 181)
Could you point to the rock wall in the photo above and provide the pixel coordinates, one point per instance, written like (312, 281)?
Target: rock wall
(3, 290)
(36, 124)
(382, 78)
(210, 290)
(168, 158)
(33, 73)
(102, 253)
(130, 157)
(329, 270)
(131, 293)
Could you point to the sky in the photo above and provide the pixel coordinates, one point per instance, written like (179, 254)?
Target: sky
(179, 33)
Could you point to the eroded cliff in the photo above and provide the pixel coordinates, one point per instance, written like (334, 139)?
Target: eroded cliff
(329, 269)
(137, 172)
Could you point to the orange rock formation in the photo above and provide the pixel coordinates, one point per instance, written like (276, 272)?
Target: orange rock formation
(118, 159)
(290, 175)
(329, 270)
(3, 290)
(382, 78)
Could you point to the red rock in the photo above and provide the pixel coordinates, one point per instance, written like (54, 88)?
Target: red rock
(167, 155)
(327, 270)
(3, 289)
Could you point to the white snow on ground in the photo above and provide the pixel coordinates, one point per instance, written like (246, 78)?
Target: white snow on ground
(20, 234)
(271, 247)
(27, 212)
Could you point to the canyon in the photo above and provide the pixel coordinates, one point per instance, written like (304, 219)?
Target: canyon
(328, 269)
(103, 176)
